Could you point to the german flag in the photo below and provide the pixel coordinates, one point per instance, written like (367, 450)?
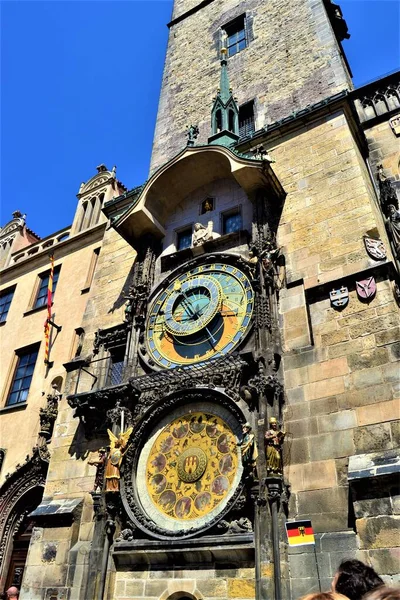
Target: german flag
(300, 533)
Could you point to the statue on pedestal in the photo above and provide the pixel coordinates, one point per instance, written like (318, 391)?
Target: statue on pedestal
(274, 438)
(114, 459)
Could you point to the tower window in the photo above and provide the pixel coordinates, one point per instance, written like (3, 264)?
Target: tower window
(116, 365)
(232, 221)
(236, 35)
(23, 375)
(184, 238)
(246, 119)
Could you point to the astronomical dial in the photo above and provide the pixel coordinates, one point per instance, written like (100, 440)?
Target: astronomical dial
(189, 469)
(203, 313)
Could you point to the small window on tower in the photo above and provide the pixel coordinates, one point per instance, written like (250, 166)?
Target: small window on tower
(184, 238)
(236, 35)
(231, 221)
(246, 119)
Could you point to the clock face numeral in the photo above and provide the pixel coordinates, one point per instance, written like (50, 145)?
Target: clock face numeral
(200, 315)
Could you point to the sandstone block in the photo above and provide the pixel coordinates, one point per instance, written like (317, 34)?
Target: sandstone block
(372, 438)
(241, 588)
(388, 336)
(366, 360)
(385, 561)
(328, 369)
(379, 412)
(321, 389)
(379, 532)
(337, 421)
(332, 445)
(323, 500)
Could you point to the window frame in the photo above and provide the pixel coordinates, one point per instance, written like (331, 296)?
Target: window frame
(41, 278)
(237, 210)
(3, 294)
(20, 354)
(237, 27)
(180, 232)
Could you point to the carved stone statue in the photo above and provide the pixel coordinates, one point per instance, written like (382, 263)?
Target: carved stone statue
(388, 196)
(202, 234)
(393, 225)
(273, 448)
(114, 459)
(249, 450)
(192, 132)
(100, 466)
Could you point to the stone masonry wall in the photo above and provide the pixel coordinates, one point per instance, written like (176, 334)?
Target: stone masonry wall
(341, 366)
(207, 583)
(292, 60)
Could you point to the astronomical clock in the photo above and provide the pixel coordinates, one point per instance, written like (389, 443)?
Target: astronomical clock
(202, 313)
(185, 462)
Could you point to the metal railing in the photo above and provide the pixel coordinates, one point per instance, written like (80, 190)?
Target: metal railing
(101, 373)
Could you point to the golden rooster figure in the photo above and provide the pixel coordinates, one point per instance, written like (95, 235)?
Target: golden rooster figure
(114, 459)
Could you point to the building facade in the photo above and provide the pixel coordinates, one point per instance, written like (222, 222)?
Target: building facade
(224, 355)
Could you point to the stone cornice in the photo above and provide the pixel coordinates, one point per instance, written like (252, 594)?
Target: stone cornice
(60, 250)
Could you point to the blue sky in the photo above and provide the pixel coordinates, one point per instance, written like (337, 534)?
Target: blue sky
(80, 85)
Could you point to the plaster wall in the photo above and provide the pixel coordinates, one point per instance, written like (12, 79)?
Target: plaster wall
(292, 60)
(20, 423)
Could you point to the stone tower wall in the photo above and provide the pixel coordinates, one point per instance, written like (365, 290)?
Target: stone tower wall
(292, 60)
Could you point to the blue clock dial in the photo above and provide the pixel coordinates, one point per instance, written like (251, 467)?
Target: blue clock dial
(202, 314)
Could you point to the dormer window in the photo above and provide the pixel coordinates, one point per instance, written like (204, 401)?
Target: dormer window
(236, 35)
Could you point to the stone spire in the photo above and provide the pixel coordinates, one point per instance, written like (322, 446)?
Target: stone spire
(225, 111)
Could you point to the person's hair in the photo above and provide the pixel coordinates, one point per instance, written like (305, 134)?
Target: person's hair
(383, 592)
(324, 596)
(354, 579)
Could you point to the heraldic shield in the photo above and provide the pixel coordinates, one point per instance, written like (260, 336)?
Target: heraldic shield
(366, 288)
(375, 248)
(339, 298)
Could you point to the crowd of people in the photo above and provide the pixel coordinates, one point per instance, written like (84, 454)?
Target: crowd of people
(355, 580)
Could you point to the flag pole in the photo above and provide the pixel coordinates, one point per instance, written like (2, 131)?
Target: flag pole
(48, 318)
(316, 562)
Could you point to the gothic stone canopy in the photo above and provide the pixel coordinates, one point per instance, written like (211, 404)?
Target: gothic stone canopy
(190, 169)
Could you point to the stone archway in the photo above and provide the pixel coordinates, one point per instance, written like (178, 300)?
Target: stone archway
(20, 495)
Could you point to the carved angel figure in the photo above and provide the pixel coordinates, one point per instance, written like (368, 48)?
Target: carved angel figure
(114, 458)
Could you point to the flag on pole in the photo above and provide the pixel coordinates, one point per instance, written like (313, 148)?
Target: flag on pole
(48, 318)
(300, 533)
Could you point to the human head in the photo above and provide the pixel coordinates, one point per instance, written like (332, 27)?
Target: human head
(354, 579)
(383, 592)
(273, 423)
(12, 593)
(246, 427)
(324, 596)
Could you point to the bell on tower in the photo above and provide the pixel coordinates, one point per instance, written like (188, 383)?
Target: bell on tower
(225, 111)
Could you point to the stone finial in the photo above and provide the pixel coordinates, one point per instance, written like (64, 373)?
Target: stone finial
(17, 214)
(101, 168)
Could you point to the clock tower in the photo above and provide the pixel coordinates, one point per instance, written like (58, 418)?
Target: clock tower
(239, 348)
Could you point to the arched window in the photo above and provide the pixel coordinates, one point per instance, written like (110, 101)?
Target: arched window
(231, 121)
(218, 121)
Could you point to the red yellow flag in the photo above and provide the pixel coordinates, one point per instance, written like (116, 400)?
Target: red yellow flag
(48, 318)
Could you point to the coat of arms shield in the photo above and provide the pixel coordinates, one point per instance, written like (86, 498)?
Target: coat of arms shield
(366, 288)
(339, 298)
(375, 248)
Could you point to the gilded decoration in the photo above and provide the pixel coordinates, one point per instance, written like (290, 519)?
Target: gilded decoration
(191, 466)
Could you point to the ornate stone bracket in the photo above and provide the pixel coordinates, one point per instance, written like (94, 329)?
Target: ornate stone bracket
(114, 336)
(94, 408)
